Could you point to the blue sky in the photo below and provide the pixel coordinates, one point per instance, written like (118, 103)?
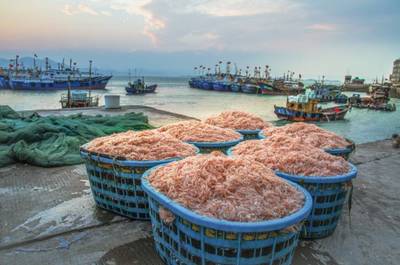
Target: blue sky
(311, 37)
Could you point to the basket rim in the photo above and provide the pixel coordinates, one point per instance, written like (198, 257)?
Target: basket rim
(246, 131)
(125, 162)
(225, 225)
(216, 144)
(352, 173)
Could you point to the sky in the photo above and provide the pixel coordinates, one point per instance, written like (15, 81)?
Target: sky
(312, 37)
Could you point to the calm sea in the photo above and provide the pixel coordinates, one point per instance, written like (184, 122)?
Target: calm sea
(174, 95)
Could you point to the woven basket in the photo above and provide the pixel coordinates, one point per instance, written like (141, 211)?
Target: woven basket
(195, 239)
(116, 183)
(329, 196)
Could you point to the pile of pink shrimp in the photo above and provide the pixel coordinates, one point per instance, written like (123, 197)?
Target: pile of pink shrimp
(195, 131)
(234, 189)
(238, 120)
(290, 156)
(143, 145)
(309, 134)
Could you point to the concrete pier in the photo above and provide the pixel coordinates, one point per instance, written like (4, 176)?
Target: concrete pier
(48, 216)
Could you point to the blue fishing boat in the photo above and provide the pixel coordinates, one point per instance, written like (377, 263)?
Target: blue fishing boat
(221, 86)
(139, 87)
(235, 87)
(250, 88)
(63, 78)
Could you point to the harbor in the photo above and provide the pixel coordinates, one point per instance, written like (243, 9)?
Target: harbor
(49, 215)
(199, 132)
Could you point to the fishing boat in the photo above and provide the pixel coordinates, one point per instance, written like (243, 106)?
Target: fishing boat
(325, 92)
(377, 98)
(236, 87)
(250, 88)
(306, 108)
(78, 98)
(139, 87)
(36, 79)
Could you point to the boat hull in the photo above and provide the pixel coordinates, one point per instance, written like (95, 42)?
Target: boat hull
(250, 89)
(40, 85)
(149, 89)
(331, 114)
(221, 87)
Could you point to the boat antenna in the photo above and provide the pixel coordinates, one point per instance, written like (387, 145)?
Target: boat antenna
(34, 61)
(47, 63)
(16, 65)
(63, 64)
(90, 77)
(69, 92)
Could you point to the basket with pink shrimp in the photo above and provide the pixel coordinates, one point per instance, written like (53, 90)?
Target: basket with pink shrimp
(115, 165)
(249, 125)
(328, 178)
(313, 135)
(207, 138)
(213, 209)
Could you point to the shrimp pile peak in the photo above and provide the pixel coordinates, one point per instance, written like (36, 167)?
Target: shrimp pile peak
(143, 145)
(309, 134)
(238, 120)
(234, 189)
(196, 131)
(291, 156)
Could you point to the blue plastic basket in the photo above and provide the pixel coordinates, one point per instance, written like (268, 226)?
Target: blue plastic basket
(195, 239)
(329, 196)
(208, 147)
(343, 152)
(249, 134)
(116, 183)
(261, 135)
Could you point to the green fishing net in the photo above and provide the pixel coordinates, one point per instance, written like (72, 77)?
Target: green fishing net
(55, 140)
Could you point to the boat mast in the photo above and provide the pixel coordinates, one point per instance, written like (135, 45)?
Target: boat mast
(69, 92)
(34, 61)
(47, 64)
(16, 65)
(90, 78)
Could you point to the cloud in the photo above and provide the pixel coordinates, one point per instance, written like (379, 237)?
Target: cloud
(234, 8)
(322, 27)
(81, 8)
(152, 23)
(204, 40)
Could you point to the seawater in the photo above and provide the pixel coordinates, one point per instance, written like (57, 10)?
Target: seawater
(173, 94)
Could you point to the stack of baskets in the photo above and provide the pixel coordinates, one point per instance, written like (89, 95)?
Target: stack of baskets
(121, 186)
(329, 195)
(116, 183)
(195, 239)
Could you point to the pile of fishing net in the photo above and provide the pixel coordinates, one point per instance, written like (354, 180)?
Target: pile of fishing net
(238, 120)
(290, 156)
(195, 131)
(309, 134)
(144, 145)
(234, 189)
(55, 140)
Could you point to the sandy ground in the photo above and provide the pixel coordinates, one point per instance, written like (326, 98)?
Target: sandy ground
(156, 117)
(47, 216)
